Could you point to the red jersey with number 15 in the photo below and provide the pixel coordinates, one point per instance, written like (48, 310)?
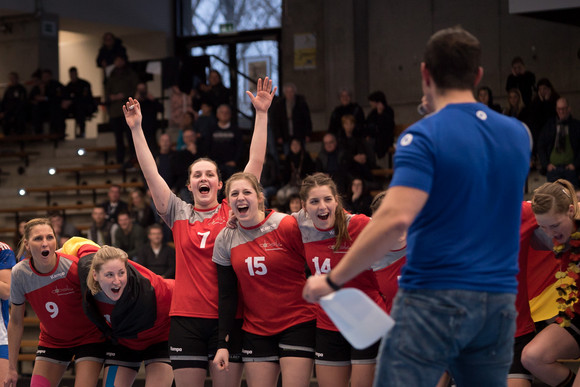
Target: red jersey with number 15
(56, 299)
(268, 260)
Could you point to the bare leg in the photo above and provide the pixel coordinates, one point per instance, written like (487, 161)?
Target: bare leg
(229, 378)
(51, 371)
(296, 371)
(122, 376)
(540, 355)
(190, 377)
(362, 375)
(331, 376)
(158, 374)
(262, 374)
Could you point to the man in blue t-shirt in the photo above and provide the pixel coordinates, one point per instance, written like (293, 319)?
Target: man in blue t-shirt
(457, 190)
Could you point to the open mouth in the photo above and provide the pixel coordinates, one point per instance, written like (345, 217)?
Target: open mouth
(115, 290)
(45, 253)
(243, 209)
(204, 189)
(323, 216)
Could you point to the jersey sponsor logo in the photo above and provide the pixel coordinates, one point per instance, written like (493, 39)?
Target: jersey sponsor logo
(58, 275)
(267, 228)
(269, 246)
(247, 351)
(406, 140)
(215, 221)
(62, 292)
(174, 349)
(481, 115)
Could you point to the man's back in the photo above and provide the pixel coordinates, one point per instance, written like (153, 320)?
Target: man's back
(473, 163)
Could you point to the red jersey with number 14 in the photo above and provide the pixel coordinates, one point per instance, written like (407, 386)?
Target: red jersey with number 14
(321, 258)
(56, 299)
(268, 260)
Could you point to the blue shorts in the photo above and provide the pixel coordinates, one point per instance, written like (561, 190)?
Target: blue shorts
(3, 351)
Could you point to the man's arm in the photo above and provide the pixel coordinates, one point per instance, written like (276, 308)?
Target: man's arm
(389, 224)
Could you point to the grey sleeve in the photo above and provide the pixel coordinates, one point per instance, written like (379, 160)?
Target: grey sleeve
(222, 248)
(17, 296)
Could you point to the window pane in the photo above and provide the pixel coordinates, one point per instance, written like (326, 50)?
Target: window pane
(208, 15)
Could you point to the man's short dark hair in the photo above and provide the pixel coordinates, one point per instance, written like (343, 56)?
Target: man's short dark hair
(453, 57)
(517, 59)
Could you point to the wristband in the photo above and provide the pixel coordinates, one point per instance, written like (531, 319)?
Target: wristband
(330, 283)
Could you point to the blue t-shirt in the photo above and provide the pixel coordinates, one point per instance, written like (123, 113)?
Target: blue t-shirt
(473, 163)
(7, 261)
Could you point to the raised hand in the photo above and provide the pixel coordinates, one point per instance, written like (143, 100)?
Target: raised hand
(264, 95)
(132, 111)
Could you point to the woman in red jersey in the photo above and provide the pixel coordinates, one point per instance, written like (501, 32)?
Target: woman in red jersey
(130, 305)
(49, 281)
(327, 233)
(264, 256)
(194, 308)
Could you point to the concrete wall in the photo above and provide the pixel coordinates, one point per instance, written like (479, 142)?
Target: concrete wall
(397, 33)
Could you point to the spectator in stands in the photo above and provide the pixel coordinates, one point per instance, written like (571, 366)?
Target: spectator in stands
(62, 228)
(359, 201)
(82, 103)
(329, 159)
(358, 157)
(18, 233)
(521, 79)
(187, 122)
(224, 145)
(294, 203)
(129, 236)
(180, 165)
(48, 104)
(121, 84)
(140, 209)
(180, 102)
(559, 145)
(485, 96)
(114, 205)
(164, 158)
(290, 118)
(347, 106)
(380, 125)
(13, 107)
(111, 48)
(270, 178)
(151, 107)
(206, 120)
(516, 107)
(297, 165)
(101, 230)
(214, 91)
(543, 108)
(156, 255)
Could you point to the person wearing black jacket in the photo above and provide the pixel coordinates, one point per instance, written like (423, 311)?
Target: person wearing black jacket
(290, 118)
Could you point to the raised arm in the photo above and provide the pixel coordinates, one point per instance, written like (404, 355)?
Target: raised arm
(15, 329)
(261, 102)
(157, 185)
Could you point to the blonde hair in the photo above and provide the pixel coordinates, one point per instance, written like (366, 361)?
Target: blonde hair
(340, 223)
(104, 255)
(253, 181)
(27, 229)
(558, 195)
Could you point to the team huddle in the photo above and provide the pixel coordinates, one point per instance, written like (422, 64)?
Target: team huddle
(241, 300)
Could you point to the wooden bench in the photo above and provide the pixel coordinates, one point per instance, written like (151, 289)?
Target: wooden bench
(104, 150)
(78, 170)
(24, 156)
(27, 138)
(87, 187)
(17, 211)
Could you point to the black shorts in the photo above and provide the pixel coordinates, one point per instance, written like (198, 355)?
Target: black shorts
(333, 349)
(122, 356)
(87, 352)
(296, 341)
(193, 342)
(517, 369)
